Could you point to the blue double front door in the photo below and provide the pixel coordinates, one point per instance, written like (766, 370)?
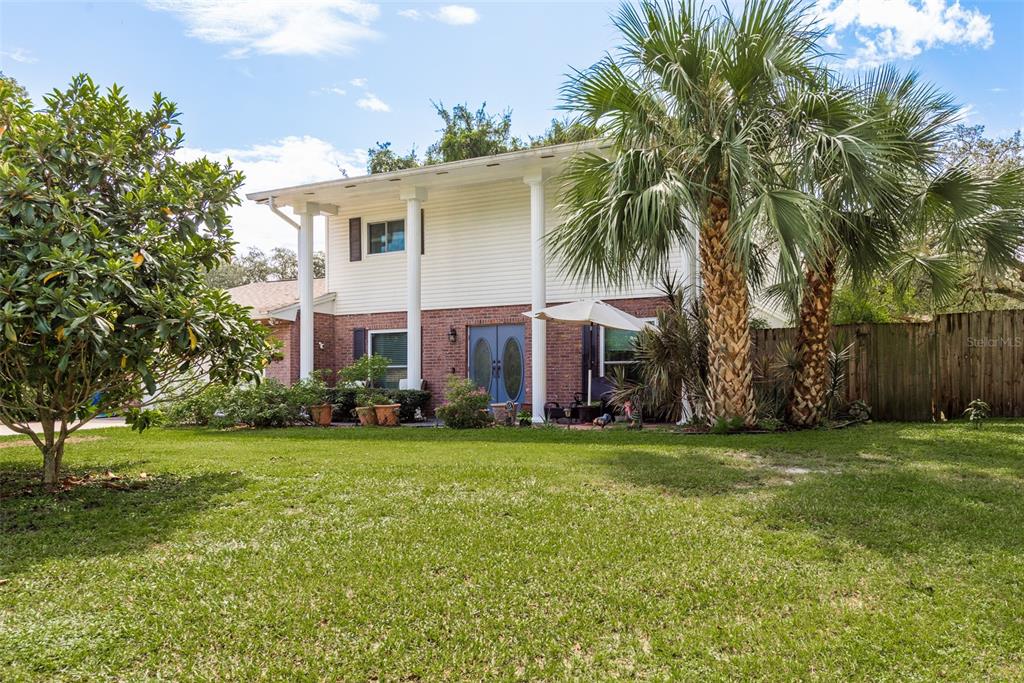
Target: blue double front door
(496, 361)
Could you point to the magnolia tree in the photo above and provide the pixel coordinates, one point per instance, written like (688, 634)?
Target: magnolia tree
(105, 238)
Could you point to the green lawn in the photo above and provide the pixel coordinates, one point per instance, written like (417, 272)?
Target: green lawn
(881, 552)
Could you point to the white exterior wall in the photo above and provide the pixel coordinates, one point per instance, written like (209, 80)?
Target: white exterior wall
(477, 242)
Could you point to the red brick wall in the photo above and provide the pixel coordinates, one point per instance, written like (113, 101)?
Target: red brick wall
(286, 370)
(282, 370)
(441, 357)
(323, 336)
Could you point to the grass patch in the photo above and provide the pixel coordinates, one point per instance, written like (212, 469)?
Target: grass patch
(887, 551)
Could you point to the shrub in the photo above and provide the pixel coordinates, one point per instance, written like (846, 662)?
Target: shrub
(730, 426)
(369, 369)
(977, 411)
(344, 400)
(672, 359)
(311, 391)
(140, 420)
(367, 397)
(199, 409)
(271, 404)
(267, 404)
(466, 406)
(410, 400)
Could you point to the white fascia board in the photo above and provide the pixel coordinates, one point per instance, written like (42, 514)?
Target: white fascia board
(321, 304)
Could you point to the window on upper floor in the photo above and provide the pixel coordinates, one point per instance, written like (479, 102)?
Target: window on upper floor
(386, 236)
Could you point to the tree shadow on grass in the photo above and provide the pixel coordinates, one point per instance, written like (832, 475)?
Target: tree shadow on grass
(916, 491)
(898, 511)
(94, 519)
(691, 473)
(912, 489)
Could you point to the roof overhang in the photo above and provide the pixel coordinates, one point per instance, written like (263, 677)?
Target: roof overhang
(492, 168)
(321, 304)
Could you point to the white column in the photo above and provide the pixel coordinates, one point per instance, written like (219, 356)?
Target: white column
(690, 259)
(538, 297)
(414, 198)
(306, 291)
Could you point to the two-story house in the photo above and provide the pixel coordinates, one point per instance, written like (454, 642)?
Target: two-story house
(434, 267)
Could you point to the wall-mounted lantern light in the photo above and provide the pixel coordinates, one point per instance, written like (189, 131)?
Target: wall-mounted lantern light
(453, 336)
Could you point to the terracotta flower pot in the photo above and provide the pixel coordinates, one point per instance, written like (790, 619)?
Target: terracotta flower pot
(321, 414)
(367, 415)
(387, 414)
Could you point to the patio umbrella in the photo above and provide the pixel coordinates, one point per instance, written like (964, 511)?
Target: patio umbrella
(589, 312)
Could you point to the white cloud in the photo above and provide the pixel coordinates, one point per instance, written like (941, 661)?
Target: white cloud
(966, 113)
(328, 90)
(456, 15)
(887, 30)
(19, 54)
(291, 161)
(303, 28)
(358, 82)
(997, 90)
(371, 102)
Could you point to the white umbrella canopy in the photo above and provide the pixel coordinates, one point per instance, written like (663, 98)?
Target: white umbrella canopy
(589, 312)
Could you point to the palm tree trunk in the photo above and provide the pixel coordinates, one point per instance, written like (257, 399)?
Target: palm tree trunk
(730, 372)
(806, 405)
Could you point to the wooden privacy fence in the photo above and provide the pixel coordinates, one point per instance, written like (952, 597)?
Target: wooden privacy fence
(911, 371)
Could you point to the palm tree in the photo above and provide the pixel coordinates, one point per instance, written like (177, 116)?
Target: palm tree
(894, 210)
(864, 198)
(703, 113)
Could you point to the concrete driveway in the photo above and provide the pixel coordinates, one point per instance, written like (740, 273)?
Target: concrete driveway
(97, 423)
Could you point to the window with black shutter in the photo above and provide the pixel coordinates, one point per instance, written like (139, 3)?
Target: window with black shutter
(358, 343)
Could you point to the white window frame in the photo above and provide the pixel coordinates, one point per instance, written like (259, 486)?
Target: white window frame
(600, 350)
(369, 344)
(385, 221)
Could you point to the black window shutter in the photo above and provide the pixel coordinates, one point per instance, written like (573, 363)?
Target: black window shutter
(358, 343)
(588, 358)
(423, 233)
(355, 239)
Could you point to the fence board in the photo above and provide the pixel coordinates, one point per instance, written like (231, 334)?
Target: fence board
(912, 371)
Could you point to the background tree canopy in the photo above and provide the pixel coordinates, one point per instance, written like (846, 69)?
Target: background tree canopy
(256, 266)
(105, 240)
(978, 288)
(470, 134)
(382, 159)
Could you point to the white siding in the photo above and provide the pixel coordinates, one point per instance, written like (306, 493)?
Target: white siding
(477, 242)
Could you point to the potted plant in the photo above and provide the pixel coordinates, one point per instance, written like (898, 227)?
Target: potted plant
(387, 413)
(365, 398)
(312, 393)
(365, 373)
(525, 418)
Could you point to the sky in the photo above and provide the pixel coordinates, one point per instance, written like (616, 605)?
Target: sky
(292, 92)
